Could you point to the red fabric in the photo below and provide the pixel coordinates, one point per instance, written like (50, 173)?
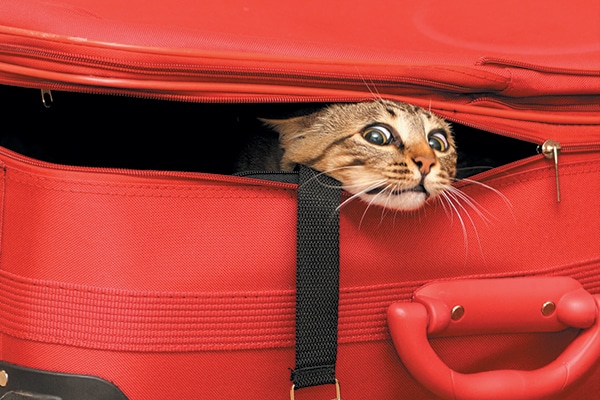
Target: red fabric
(171, 284)
(266, 51)
(371, 371)
(139, 275)
(550, 34)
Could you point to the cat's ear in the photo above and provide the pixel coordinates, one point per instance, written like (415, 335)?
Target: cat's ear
(291, 128)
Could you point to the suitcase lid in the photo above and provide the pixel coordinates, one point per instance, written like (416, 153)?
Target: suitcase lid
(534, 63)
(539, 35)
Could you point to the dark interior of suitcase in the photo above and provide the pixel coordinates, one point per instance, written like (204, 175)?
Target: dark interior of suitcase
(127, 132)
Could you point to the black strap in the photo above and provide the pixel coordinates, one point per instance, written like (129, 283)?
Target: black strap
(317, 279)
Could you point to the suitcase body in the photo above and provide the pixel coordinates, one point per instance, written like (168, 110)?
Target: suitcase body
(168, 284)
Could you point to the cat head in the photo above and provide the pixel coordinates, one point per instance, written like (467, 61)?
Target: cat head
(388, 153)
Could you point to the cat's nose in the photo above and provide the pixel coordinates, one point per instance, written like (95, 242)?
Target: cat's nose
(424, 163)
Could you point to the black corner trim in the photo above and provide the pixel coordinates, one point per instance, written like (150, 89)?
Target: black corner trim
(25, 383)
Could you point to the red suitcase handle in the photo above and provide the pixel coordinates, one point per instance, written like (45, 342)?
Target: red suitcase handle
(465, 307)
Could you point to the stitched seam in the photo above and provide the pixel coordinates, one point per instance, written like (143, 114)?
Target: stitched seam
(221, 193)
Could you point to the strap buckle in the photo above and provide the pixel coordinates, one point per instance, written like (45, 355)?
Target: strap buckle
(338, 391)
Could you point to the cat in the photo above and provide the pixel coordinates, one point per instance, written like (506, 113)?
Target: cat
(387, 153)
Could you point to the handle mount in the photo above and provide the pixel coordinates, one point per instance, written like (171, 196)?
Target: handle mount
(511, 305)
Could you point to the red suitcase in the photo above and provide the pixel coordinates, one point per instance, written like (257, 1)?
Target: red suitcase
(128, 280)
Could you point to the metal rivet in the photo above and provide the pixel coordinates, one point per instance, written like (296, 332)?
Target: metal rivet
(457, 312)
(3, 378)
(548, 308)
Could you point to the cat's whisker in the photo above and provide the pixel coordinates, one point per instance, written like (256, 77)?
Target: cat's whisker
(340, 186)
(455, 195)
(496, 191)
(373, 185)
(474, 205)
(384, 190)
(328, 173)
(374, 92)
(440, 200)
(446, 196)
(389, 191)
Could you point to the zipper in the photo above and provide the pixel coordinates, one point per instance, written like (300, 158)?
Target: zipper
(192, 176)
(585, 107)
(47, 99)
(278, 176)
(550, 149)
(260, 75)
(505, 62)
(222, 77)
(203, 82)
(534, 139)
(317, 97)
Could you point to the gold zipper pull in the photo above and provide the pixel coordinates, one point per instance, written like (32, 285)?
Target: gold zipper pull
(550, 150)
(47, 94)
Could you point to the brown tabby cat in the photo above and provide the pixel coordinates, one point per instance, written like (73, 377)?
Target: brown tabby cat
(392, 154)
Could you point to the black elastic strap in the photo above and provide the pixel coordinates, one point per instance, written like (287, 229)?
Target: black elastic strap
(317, 279)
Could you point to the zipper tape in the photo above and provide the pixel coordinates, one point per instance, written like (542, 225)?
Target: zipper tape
(289, 92)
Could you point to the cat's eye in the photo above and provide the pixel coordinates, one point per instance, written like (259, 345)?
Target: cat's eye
(438, 141)
(377, 134)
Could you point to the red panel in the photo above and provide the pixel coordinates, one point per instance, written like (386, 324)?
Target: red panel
(539, 32)
(133, 275)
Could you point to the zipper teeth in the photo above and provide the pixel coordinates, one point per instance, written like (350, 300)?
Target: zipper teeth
(516, 106)
(581, 147)
(61, 167)
(496, 170)
(283, 99)
(265, 98)
(533, 67)
(277, 77)
(244, 177)
(493, 130)
(195, 176)
(594, 146)
(63, 56)
(197, 70)
(195, 98)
